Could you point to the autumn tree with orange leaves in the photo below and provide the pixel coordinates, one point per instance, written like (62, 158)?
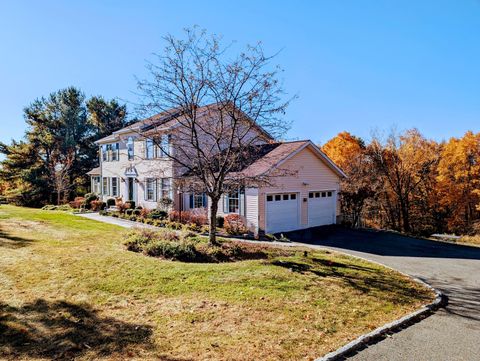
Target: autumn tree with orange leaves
(409, 183)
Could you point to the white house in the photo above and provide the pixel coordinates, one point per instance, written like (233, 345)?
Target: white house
(133, 168)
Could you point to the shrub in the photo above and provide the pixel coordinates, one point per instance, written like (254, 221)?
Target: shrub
(3, 200)
(144, 213)
(181, 251)
(103, 213)
(235, 225)
(52, 207)
(129, 212)
(97, 205)
(132, 218)
(114, 214)
(192, 227)
(78, 202)
(197, 216)
(110, 202)
(158, 214)
(220, 221)
(89, 198)
(131, 204)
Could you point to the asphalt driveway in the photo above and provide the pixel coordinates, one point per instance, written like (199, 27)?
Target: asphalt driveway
(453, 332)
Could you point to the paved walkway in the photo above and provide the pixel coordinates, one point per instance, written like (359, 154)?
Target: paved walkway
(116, 221)
(452, 333)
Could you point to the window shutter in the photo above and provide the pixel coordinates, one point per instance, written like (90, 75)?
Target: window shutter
(204, 201)
(241, 201)
(191, 201)
(225, 203)
(145, 189)
(155, 189)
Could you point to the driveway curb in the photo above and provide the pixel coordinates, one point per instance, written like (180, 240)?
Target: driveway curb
(381, 332)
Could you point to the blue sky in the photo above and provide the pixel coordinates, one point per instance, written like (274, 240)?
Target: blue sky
(356, 65)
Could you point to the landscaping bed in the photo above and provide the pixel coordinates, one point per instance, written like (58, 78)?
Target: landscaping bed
(69, 289)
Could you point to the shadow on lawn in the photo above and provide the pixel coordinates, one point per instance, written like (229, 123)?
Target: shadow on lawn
(364, 279)
(13, 242)
(64, 331)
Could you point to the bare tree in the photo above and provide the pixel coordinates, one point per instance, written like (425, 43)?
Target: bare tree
(225, 106)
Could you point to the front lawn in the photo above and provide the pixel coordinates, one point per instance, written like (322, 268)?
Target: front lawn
(70, 289)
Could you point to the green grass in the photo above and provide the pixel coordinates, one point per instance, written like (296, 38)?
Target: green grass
(69, 289)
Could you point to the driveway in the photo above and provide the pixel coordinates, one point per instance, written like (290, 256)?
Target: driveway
(453, 332)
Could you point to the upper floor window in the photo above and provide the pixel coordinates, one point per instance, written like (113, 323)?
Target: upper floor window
(114, 151)
(164, 146)
(104, 153)
(130, 148)
(110, 152)
(149, 149)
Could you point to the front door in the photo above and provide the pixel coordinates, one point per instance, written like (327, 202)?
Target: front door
(131, 189)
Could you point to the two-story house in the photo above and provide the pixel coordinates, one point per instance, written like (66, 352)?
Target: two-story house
(134, 168)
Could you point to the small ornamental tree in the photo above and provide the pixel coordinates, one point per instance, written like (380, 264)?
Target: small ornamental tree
(226, 104)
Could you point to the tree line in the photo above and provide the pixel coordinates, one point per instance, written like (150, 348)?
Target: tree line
(49, 165)
(409, 183)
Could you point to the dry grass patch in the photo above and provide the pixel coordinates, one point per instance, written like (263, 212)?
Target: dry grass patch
(72, 287)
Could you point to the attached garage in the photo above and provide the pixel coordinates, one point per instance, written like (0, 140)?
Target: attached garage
(283, 212)
(321, 208)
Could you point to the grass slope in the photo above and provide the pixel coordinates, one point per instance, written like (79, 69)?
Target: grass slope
(69, 289)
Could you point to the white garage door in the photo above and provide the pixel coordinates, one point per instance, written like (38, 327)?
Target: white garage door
(321, 208)
(282, 212)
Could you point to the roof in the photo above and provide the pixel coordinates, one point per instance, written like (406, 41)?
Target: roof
(272, 158)
(94, 171)
(260, 159)
(167, 120)
(283, 152)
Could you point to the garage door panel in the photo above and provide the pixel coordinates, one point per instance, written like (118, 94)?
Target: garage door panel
(282, 212)
(321, 208)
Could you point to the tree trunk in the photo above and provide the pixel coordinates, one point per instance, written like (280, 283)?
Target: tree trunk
(212, 237)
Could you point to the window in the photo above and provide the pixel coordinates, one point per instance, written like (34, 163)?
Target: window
(105, 186)
(329, 194)
(115, 186)
(278, 197)
(166, 190)
(269, 198)
(149, 149)
(164, 146)
(114, 150)
(324, 194)
(285, 197)
(234, 202)
(150, 189)
(198, 200)
(130, 148)
(104, 153)
(317, 194)
(96, 185)
(293, 196)
(310, 195)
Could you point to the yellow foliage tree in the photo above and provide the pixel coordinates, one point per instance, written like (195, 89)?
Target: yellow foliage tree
(459, 180)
